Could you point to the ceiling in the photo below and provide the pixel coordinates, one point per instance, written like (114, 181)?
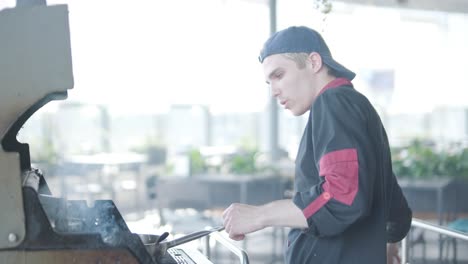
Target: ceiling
(458, 6)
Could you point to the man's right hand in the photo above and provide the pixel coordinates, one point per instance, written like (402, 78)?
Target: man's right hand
(242, 219)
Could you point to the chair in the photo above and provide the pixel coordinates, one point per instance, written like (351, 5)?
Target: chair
(460, 225)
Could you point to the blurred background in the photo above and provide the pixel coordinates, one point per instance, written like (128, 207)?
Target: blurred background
(170, 113)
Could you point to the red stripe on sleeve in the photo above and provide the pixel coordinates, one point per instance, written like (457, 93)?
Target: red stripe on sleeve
(318, 203)
(341, 171)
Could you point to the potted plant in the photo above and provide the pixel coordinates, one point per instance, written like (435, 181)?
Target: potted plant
(432, 179)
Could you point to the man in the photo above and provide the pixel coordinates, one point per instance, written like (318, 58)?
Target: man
(347, 204)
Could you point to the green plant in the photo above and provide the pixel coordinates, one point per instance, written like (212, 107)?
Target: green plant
(197, 162)
(454, 163)
(421, 160)
(243, 162)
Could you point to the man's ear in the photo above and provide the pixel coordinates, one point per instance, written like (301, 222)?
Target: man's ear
(316, 61)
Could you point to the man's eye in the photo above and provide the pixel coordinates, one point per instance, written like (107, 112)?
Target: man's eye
(279, 75)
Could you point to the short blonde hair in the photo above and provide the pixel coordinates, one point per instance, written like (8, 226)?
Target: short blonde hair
(299, 58)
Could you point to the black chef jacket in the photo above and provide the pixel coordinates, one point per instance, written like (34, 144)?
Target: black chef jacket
(344, 183)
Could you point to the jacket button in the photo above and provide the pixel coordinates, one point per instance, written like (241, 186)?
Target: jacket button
(326, 195)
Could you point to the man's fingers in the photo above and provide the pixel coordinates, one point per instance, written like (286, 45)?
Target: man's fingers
(237, 237)
(398, 259)
(227, 224)
(231, 229)
(226, 212)
(227, 219)
(232, 223)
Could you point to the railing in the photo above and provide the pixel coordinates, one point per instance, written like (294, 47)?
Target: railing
(430, 227)
(243, 257)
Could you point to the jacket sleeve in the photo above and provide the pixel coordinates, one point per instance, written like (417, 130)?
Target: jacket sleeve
(342, 152)
(399, 216)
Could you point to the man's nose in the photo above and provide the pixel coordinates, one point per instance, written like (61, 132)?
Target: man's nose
(275, 91)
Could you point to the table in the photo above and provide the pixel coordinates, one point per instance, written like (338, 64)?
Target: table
(218, 190)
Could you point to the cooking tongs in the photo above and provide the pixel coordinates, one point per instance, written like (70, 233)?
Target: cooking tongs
(158, 248)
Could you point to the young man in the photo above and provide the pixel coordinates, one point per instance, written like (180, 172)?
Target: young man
(347, 203)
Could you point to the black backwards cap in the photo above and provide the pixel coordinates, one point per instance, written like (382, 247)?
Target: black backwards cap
(302, 40)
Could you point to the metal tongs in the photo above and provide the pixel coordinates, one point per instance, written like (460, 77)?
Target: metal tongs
(159, 248)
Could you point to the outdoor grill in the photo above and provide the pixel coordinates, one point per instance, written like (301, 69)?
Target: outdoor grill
(35, 68)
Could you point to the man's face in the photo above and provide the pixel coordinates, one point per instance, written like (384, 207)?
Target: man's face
(293, 87)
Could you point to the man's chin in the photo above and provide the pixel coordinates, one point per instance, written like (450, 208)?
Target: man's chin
(297, 112)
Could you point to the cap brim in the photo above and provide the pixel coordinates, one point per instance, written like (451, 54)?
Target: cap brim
(342, 70)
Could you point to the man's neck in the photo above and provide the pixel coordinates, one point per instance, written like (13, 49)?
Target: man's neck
(322, 82)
